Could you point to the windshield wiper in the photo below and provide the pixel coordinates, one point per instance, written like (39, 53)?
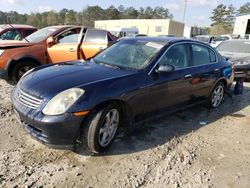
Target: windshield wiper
(105, 64)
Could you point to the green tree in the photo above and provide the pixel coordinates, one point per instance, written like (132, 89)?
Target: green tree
(52, 18)
(222, 19)
(244, 9)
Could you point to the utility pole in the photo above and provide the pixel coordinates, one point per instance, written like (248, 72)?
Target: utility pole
(184, 14)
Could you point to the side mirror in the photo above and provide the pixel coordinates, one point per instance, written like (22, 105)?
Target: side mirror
(165, 68)
(50, 41)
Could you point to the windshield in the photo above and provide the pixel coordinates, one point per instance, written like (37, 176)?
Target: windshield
(235, 46)
(133, 54)
(41, 34)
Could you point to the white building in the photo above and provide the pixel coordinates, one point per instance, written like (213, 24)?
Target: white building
(242, 25)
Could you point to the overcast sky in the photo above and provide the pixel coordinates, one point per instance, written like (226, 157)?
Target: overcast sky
(198, 11)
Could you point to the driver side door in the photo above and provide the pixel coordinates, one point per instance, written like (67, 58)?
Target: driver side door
(170, 89)
(66, 46)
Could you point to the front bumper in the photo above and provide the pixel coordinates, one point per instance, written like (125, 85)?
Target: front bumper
(55, 131)
(242, 71)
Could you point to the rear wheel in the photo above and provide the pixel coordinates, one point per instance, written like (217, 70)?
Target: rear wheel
(99, 131)
(20, 69)
(217, 95)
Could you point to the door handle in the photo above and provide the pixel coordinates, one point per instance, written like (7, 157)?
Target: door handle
(216, 70)
(188, 76)
(101, 48)
(71, 50)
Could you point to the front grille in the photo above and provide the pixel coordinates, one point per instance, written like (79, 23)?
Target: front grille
(28, 100)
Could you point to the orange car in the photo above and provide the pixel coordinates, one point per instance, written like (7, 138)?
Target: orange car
(51, 45)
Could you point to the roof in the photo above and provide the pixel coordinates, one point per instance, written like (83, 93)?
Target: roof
(5, 26)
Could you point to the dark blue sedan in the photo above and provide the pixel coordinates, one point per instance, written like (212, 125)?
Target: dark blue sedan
(130, 82)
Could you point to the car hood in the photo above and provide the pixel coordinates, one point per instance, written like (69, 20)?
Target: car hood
(50, 80)
(236, 57)
(12, 44)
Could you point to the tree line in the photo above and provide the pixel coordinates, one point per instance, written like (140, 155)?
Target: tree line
(222, 17)
(85, 17)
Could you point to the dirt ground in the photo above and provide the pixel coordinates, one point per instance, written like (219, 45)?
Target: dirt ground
(197, 147)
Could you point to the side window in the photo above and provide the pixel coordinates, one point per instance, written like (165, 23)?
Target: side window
(212, 57)
(11, 35)
(28, 32)
(94, 35)
(176, 56)
(200, 55)
(69, 36)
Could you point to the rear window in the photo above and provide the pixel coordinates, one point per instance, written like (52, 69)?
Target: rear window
(236, 46)
(94, 35)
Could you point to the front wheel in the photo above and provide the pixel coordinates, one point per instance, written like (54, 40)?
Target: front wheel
(99, 131)
(217, 95)
(20, 69)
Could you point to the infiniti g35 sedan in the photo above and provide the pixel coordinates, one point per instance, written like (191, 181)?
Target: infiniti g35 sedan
(125, 84)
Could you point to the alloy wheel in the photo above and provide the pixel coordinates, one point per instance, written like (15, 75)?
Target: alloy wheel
(109, 127)
(217, 96)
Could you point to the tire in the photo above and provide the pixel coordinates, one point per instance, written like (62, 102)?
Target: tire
(95, 130)
(19, 70)
(217, 95)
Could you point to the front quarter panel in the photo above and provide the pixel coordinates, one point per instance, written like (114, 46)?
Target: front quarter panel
(130, 89)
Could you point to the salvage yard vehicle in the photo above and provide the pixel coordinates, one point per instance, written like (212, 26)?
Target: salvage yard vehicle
(127, 83)
(238, 52)
(51, 45)
(15, 31)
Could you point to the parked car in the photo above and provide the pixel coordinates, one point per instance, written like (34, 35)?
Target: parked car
(231, 36)
(126, 83)
(51, 45)
(15, 31)
(238, 52)
(246, 36)
(214, 41)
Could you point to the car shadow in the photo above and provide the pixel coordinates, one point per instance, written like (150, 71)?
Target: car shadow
(163, 130)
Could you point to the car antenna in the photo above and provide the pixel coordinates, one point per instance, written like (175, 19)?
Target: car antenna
(9, 22)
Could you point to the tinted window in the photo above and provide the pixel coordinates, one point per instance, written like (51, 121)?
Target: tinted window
(94, 35)
(11, 35)
(28, 32)
(212, 56)
(176, 56)
(200, 55)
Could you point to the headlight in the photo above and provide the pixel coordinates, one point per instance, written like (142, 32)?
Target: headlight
(1, 52)
(62, 101)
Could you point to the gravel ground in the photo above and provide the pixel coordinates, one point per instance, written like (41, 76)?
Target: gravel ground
(197, 147)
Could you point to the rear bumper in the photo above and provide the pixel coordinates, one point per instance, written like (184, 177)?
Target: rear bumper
(242, 71)
(59, 132)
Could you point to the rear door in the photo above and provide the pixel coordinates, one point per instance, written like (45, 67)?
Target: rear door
(205, 70)
(95, 40)
(66, 46)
